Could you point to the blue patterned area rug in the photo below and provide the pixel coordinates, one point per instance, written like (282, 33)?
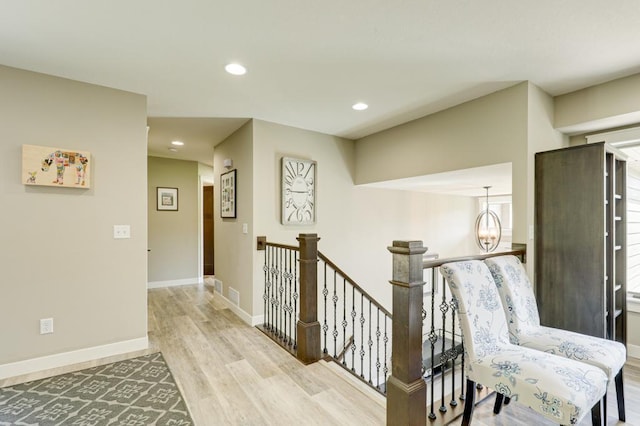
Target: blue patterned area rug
(139, 391)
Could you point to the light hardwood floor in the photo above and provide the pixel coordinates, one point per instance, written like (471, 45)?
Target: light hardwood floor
(231, 374)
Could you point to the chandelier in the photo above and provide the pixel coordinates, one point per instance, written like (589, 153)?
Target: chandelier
(488, 228)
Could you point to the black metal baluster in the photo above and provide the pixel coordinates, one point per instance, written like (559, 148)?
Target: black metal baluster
(325, 326)
(283, 304)
(295, 299)
(265, 295)
(344, 323)
(335, 316)
(279, 292)
(433, 338)
(444, 307)
(273, 289)
(423, 368)
(462, 381)
(386, 367)
(283, 295)
(378, 349)
(353, 328)
(454, 353)
(362, 321)
(289, 309)
(370, 342)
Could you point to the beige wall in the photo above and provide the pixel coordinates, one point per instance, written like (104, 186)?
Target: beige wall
(633, 325)
(488, 130)
(355, 223)
(541, 137)
(233, 250)
(612, 104)
(58, 256)
(173, 235)
(485, 131)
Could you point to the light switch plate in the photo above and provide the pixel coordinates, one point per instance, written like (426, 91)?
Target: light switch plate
(46, 326)
(121, 231)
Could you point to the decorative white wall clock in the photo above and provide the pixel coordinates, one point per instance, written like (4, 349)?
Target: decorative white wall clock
(298, 191)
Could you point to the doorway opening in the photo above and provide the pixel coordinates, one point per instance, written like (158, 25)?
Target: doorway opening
(207, 230)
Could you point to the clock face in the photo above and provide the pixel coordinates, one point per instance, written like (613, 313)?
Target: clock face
(298, 191)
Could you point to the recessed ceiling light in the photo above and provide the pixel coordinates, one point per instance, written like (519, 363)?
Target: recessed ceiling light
(235, 69)
(360, 106)
(173, 150)
(177, 143)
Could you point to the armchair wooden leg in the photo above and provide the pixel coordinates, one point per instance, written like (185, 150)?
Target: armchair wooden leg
(620, 395)
(596, 414)
(469, 403)
(498, 404)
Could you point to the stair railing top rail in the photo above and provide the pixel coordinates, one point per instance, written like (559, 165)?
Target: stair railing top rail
(353, 283)
(516, 250)
(262, 243)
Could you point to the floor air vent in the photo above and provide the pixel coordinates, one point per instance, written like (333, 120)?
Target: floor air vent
(234, 296)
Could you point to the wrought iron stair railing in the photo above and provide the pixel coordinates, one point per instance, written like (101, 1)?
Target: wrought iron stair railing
(311, 303)
(354, 329)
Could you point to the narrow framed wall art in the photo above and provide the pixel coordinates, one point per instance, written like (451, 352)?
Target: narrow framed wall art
(228, 194)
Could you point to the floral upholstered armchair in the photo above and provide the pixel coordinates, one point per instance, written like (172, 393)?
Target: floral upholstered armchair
(560, 389)
(519, 303)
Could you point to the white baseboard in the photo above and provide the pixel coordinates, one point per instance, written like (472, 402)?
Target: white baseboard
(633, 351)
(633, 304)
(258, 319)
(74, 357)
(241, 313)
(172, 283)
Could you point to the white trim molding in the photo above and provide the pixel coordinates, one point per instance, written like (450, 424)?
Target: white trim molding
(633, 304)
(74, 357)
(633, 351)
(617, 138)
(239, 312)
(173, 283)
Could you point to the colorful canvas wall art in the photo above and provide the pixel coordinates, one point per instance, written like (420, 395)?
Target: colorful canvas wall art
(61, 167)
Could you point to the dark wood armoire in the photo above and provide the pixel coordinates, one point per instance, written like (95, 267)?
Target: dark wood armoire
(580, 239)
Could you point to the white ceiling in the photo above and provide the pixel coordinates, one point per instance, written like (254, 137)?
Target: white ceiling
(309, 61)
(200, 135)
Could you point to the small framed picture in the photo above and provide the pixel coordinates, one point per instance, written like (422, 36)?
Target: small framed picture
(167, 199)
(228, 194)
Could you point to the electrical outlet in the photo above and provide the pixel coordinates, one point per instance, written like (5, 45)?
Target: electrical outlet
(46, 326)
(121, 231)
